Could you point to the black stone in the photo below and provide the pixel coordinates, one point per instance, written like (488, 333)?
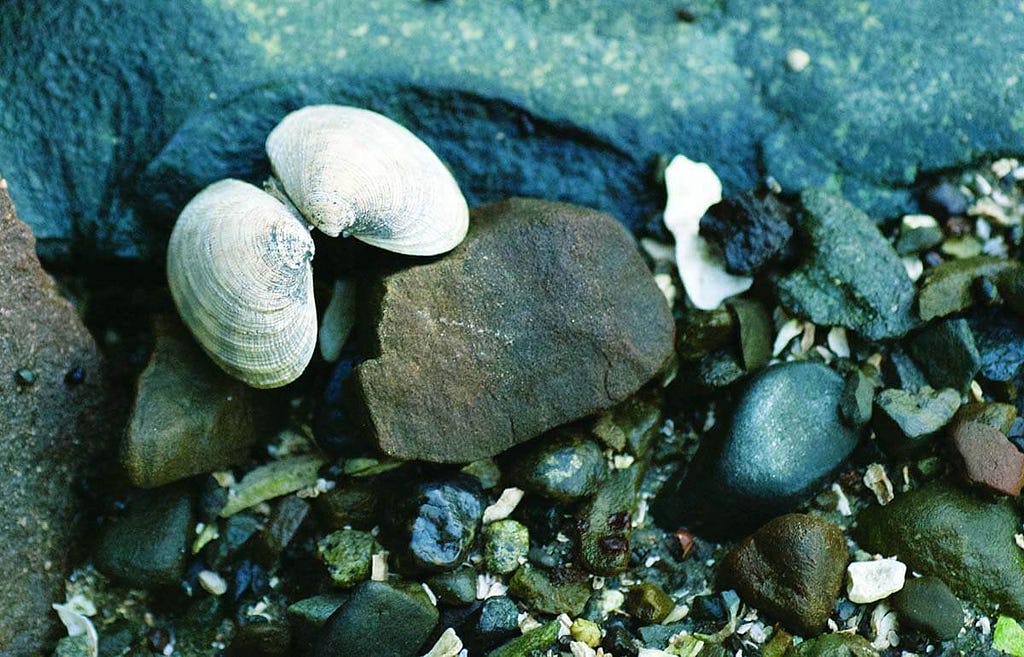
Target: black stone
(495, 622)
(927, 604)
(332, 424)
(750, 228)
(946, 353)
(944, 201)
(780, 445)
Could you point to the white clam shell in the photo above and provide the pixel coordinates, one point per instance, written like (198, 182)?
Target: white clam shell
(355, 172)
(238, 265)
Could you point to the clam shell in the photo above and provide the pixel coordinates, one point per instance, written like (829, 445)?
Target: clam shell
(238, 265)
(355, 172)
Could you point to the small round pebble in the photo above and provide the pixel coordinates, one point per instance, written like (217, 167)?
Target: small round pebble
(870, 581)
(927, 604)
(25, 376)
(505, 543)
(797, 59)
(586, 631)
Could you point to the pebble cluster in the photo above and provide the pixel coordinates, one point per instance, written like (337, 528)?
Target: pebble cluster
(828, 463)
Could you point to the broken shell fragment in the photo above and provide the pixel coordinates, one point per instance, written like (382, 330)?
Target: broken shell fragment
(351, 171)
(238, 266)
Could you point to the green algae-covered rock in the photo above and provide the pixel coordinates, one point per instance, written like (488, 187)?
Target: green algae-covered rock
(947, 532)
(839, 644)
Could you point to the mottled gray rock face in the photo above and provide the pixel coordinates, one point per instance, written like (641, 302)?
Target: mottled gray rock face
(849, 274)
(545, 314)
(49, 437)
(567, 100)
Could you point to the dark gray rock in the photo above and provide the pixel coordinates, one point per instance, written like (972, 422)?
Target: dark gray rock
(564, 466)
(496, 621)
(750, 229)
(545, 314)
(454, 587)
(380, 620)
(435, 523)
(189, 417)
(782, 442)
(146, 545)
(927, 604)
(999, 338)
(906, 422)
(792, 568)
(849, 275)
(947, 532)
(946, 353)
(858, 396)
(54, 437)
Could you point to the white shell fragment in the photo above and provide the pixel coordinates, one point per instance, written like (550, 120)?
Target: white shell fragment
(448, 645)
(78, 624)
(351, 171)
(504, 506)
(871, 581)
(339, 318)
(238, 266)
(693, 188)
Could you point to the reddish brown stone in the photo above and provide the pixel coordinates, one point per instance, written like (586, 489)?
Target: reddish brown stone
(987, 458)
(47, 437)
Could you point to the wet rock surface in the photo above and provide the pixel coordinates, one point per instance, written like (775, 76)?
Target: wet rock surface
(546, 313)
(907, 422)
(792, 569)
(800, 440)
(50, 435)
(949, 533)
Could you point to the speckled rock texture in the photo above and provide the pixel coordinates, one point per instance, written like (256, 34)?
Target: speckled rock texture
(545, 314)
(49, 438)
(486, 85)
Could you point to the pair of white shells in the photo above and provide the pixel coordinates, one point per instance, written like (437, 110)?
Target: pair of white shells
(239, 259)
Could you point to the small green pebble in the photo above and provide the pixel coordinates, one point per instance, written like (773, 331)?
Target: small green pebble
(348, 554)
(486, 470)
(1008, 637)
(534, 641)
(25, 376)
(505, 543)
(586, 631)
(648, 603)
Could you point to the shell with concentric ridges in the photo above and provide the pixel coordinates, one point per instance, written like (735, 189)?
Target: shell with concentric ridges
(354, 172)
(238, 265)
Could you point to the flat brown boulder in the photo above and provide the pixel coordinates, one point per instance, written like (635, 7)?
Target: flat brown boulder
(545, 314)
(50, 403)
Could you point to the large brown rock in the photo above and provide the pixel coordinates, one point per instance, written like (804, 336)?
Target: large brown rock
(545, 314)
(47, 437)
